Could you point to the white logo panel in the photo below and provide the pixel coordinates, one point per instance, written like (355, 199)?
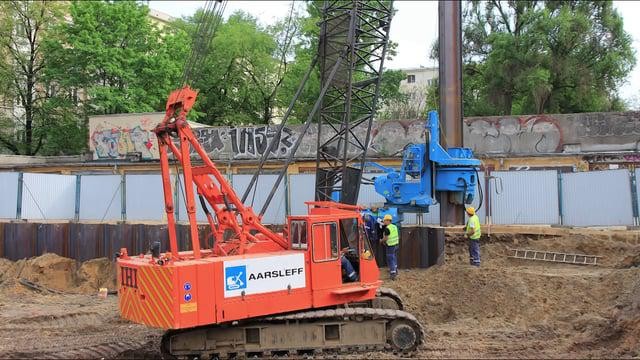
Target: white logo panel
(265, 274)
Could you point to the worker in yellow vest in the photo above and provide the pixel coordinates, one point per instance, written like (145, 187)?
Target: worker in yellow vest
(391, 239)
(472, 232)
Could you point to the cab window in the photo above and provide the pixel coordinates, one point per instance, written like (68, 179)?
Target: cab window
(298, 234)
(325, 241)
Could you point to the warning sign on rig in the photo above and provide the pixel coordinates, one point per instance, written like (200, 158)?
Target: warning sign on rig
(261, 275)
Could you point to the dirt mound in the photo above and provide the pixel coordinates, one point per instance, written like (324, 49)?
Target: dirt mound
(630, 261)
(50, 270)
(519, 295)
(569, 309)
(97, 273)
(620, 334)
(7, 270)
(59, 273)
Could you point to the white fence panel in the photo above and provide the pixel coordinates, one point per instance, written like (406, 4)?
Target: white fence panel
(597, 198)
(100, 197)
(528, 197)
(9, 186)
(48, 196)
(145, 197)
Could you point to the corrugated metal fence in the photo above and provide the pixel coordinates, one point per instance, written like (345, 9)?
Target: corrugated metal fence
(509, 197)
(421, 246)
(597, 198)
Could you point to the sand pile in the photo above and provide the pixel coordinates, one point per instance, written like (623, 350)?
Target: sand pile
(50, 270)
(97, 273)
(59, 273)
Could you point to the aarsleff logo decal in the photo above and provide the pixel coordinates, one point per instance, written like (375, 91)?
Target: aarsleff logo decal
(256, 275)
(236, 277)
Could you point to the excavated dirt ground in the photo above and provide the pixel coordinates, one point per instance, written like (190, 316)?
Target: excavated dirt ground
(505, 309)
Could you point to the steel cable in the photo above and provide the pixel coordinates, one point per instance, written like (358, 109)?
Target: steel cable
(34, 200)
(106, 211)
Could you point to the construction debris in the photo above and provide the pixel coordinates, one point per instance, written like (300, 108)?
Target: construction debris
(37, 287)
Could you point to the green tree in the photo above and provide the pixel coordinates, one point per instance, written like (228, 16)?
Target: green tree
(543, 56)
(33, 117)
(117, 57)
(245, 68)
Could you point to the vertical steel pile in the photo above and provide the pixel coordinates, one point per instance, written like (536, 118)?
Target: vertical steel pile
(450, 78)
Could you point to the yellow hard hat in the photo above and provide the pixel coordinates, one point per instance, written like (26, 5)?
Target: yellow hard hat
(388, 217)
(471, 210)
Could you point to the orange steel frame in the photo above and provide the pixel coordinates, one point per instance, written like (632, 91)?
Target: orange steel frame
(182, 289)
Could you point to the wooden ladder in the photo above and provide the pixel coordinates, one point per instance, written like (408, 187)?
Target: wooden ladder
(557, 257)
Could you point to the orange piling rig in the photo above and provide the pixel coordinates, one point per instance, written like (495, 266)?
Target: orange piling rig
(254, 272)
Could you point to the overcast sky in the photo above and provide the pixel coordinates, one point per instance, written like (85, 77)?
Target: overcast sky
(414, 28)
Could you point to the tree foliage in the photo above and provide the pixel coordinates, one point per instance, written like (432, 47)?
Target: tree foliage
(543, 57)
(246, 66)
(115, 54)
(31, 114)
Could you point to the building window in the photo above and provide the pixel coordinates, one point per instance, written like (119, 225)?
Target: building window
(52, 90)
(73, 95)
(411, 79)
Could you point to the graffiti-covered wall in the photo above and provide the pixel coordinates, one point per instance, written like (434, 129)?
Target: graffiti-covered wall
(115, 136)
(112, 137)
(545, 134)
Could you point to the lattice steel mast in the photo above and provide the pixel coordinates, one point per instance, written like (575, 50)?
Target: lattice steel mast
(357, 33)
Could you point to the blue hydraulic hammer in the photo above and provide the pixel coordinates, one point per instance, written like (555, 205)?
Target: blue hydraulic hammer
(426, 170)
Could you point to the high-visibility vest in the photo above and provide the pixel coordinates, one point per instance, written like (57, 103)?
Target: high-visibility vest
(393, 238)
(476, 227)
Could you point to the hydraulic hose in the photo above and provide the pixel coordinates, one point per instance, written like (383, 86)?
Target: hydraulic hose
(480, 193)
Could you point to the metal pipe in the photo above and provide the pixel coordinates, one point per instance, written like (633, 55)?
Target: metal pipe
(450, 79)
(560, 208)
(123, 197)
(19, 196)
(634, 195)
(76, 216)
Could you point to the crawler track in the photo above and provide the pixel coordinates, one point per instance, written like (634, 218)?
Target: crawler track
(316, 332)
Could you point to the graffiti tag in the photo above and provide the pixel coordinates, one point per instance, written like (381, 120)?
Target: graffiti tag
(602, 124)
(521, 135)
(116, 143)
